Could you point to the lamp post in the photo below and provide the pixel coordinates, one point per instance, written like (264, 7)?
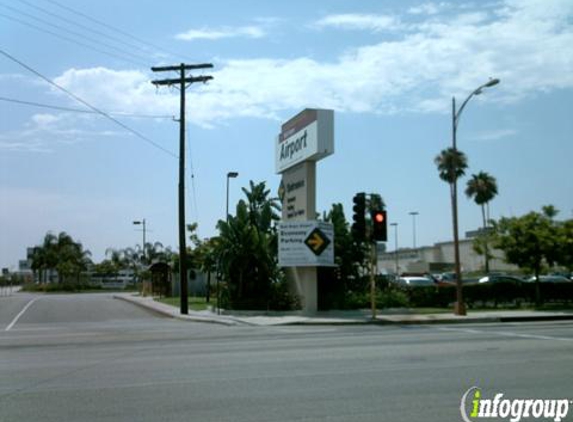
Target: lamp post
(230, 175)
(395, 225)
(456, 114)
(414, 214)
(137, 223)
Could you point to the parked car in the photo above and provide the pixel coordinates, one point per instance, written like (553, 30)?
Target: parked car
(415, 281)
(550, 279)
(500, 279)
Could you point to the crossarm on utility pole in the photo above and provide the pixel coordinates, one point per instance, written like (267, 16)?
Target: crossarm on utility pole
(185, 80)
(178, 67)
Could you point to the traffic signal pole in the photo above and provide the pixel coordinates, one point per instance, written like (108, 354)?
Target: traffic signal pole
(376, 231)
(373, 266)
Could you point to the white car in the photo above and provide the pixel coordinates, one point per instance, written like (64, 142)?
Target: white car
(415, 281)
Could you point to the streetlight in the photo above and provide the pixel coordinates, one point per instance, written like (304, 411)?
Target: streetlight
(395, 225)
(414, 214)
(231, 174)
(137, 223)
(460, 307)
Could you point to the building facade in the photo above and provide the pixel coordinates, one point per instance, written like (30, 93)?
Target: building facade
(440, 258)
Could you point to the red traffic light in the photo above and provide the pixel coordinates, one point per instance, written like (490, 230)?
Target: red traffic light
(379, 228)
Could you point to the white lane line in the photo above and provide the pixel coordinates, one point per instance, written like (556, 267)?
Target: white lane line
(506, 334)
(15, 320)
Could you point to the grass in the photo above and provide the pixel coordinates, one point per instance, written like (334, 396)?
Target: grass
(195, 303)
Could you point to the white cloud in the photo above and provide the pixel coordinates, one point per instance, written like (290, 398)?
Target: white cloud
(368, 22)
(250, 31)
(526, 45)
(427, 8)
(45, 131)
(494, 135)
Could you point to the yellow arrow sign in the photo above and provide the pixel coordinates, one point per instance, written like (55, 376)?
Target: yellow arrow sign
(317, 241)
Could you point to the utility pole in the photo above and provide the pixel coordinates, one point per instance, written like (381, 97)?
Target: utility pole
(183, 82)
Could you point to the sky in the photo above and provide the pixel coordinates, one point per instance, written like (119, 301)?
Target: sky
(389, 70)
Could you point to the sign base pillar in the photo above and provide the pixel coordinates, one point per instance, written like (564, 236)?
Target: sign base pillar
(303, 282)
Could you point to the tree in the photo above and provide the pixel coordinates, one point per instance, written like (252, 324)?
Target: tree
(482, 187)
(206, 259)
(262, 209)
(336, 283)
(61, 254)
(452, 164)
(153, 252)
(192, 263)
(247, 249)
(530, 242)
(72, 258)
(565, 255)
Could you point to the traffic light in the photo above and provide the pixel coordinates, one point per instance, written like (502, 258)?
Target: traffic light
(359, 217)
(379, 226)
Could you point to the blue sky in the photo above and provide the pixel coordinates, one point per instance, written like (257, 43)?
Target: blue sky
(388, 68)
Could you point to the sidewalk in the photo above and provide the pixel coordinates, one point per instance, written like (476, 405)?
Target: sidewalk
(397, 317)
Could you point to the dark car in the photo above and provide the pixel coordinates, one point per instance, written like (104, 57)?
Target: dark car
(500, 279)
(550, 279)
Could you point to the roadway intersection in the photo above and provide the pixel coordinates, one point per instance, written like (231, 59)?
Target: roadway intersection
(95, 358)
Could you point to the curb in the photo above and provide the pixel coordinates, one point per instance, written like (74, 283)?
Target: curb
(539, 318)
(233, 321)
(168, 314)
(396, 323)
(161, 312)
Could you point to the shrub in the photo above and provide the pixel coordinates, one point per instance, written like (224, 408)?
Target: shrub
(392, 298)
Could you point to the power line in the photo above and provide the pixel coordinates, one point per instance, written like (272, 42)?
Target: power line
(80, 110)
(140, 60)
(84, 27)
(116, 30)
(75, 97)
(63, 37)
(192, 175)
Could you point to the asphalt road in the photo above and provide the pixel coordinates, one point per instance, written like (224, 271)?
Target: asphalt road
(94, 358)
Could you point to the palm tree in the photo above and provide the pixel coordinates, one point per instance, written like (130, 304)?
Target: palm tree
(247, 248)
(262, 209)
(452, 164)
(61, 254)
(45, 257)
(72, 259)
(482, 187)
(152, 252)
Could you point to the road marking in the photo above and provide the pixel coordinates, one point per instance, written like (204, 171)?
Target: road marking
(505, 334)
(15, 320)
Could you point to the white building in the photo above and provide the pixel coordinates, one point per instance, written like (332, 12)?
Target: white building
(440, 258)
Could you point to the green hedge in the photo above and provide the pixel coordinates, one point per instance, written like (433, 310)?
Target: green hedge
(66, 287)
(489, 294)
